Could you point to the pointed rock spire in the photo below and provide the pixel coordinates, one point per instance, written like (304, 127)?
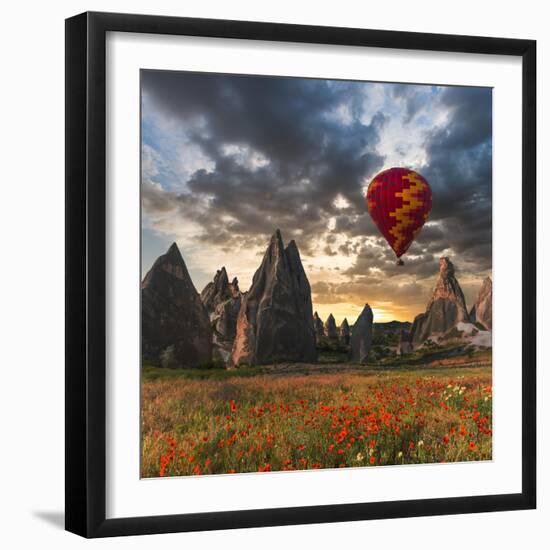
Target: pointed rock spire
(275, 320)
(344, 333)
(445, 309)
(331, 332)
(170, 262)
(447, 287)
(234, 287)
(175, 326)
(217, 291)
(222, 300)
(301, 283)
(361, 336)
(319, 327)
(482, 311)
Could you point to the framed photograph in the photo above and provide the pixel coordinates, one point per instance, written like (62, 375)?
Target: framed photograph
(300, 274)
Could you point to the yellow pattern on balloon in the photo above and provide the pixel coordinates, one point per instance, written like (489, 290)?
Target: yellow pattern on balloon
(410, 202)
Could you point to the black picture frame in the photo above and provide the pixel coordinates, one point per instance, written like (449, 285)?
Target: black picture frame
(86, 284)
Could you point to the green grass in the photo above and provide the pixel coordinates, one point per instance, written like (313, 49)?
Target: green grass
(332, 356)
(150, 372)
(331, 359)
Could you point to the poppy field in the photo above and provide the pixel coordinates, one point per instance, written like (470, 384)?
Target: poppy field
(269, 422)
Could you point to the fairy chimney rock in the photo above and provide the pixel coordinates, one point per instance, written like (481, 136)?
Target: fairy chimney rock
(331, 332)
(217, 291)
(318, 326)
(275, 321)
(361, 336)
(222, 300)
(445, 309)
(345, 333)
(175, 325)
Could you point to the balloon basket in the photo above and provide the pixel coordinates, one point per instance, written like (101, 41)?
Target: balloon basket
(400, 262)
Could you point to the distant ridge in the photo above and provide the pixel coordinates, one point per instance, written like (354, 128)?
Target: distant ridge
(394, 327)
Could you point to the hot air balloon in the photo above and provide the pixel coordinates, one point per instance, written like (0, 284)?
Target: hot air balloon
(399, 201)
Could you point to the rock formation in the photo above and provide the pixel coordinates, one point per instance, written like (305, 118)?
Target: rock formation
(345, 333)
(404, 346)
(175, 325)
(361, 336)
(445, 309)
(234, 287)
(222, 300)
(319, 327)
(482, 311)
(275, 321)
(217, 291)
(331, 332)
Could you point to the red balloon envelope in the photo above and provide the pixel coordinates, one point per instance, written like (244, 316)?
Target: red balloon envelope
(399, 201)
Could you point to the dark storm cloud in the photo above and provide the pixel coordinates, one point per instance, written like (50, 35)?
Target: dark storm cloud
(459, 155)
(460, 172)
(294, 153)
(311, 157)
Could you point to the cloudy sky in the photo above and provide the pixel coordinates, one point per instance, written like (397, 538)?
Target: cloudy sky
(228, 159)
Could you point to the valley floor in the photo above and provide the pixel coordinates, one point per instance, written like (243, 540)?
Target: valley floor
(326, 415)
